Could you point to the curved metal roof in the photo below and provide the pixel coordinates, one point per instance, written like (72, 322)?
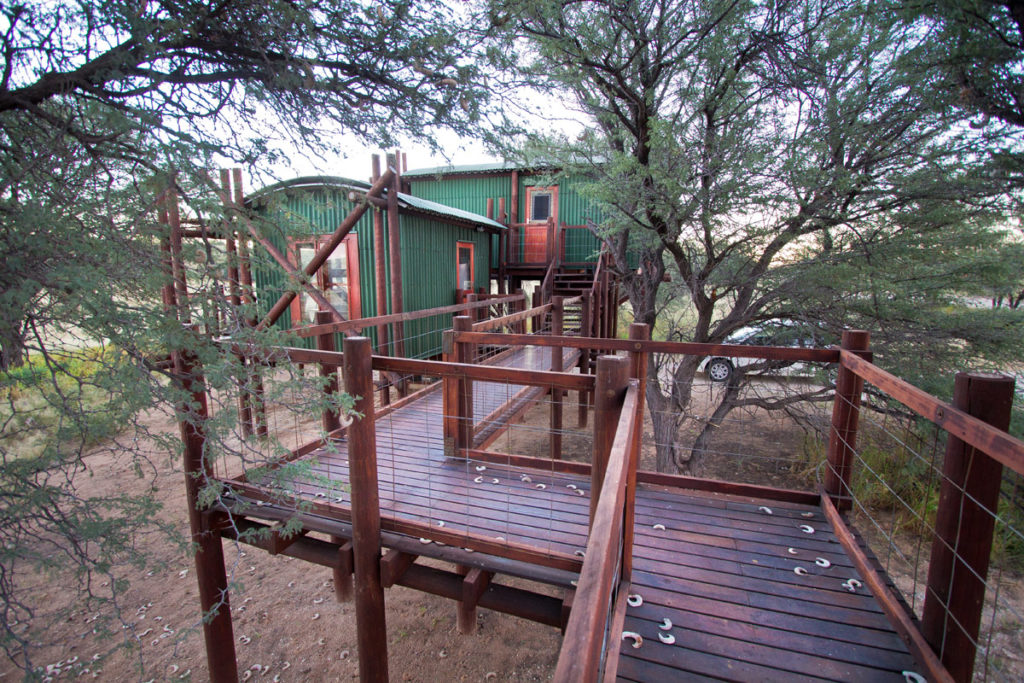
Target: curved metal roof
(405, 201)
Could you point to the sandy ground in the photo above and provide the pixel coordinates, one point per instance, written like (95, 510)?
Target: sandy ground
(287, 624)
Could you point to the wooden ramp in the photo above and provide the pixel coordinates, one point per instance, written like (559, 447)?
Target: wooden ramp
(722, 572)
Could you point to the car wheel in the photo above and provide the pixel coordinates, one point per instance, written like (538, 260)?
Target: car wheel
(719, 369)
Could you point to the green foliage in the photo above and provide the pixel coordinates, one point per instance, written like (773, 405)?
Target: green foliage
(104, 107)
(783, 161)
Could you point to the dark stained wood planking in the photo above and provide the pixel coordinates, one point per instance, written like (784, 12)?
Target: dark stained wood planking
(720, 570)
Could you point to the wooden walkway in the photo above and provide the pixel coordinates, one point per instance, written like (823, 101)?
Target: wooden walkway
(721, 571)
(723, 574)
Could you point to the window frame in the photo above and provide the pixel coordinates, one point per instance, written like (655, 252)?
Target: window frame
(532, 190)
(459, 245)
(351, 245)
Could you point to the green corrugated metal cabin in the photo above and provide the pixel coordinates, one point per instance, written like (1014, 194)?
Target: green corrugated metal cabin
(442, 249)
(531, 196)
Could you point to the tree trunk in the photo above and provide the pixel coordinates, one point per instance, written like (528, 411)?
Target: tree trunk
(707, 434)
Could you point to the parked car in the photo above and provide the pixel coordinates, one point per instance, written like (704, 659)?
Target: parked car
(768, 333)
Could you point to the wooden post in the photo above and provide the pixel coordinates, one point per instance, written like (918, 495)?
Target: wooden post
(519, 307)
(502, 248)
(380, 285)
(842, 440)
(371, 629)
(610, 392)
(638, 332)
(584, 361)
(379, 266)
(490, 208)
(209, 557)
(235, 283)
(474, 313)
(325, 342)
(395, 252)
(464, 389)
(342, 571)
(536, 321)
(557, 365)
(964, 527)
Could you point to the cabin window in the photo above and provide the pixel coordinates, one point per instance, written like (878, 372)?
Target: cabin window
(338, 279)
(541, 204)
(464, 265)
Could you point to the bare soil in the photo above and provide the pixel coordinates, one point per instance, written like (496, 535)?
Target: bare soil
(287, 624)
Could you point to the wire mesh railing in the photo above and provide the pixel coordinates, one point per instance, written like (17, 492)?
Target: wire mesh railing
(933, 488)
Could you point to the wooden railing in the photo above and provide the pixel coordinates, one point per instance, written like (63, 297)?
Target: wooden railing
(591, 643)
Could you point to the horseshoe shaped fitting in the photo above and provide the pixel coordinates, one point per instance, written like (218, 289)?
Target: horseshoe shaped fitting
(638, 640)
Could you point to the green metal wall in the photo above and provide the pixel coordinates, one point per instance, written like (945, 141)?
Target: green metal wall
(472, 192)
(460, 192)
(304, 213)
(428, 249)
(429, 276)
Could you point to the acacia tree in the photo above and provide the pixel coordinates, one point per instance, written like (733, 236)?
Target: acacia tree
(761, 154)
(103, 107)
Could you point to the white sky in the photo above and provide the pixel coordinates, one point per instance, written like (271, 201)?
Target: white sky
(356, 160)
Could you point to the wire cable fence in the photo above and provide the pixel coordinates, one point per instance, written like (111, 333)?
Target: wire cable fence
(947, 527)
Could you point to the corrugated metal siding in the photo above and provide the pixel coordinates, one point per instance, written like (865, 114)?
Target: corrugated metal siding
(307, 213)
(573, 209)
(468, 194)
(428, 275)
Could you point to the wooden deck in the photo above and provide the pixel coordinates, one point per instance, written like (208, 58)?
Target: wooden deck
(723, 574)
(720, 571)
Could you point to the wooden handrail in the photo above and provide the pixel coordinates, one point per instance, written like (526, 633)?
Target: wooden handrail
(412, 366)
(997, 444)
(581, 653)
(786, 353)
(361, 323)
(484, 325)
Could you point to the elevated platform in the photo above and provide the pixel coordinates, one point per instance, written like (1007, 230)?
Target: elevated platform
(722, 570)
(722, 573)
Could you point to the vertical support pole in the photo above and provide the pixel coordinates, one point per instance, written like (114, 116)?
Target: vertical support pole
(536, 320)
(557, 365)
(490, 208)
(234, 284)
(342, 571)
(325, 342)
(254, 376)
(464, 353)
(964, 528)
(584, 361)
(209, 558)
(610, 392)
(395, 252)
(371, 630)
(638, 332)
(842, 440)
(379, 265)
(380, 284)
(474, 313)
(519, 307)
(514, 255)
